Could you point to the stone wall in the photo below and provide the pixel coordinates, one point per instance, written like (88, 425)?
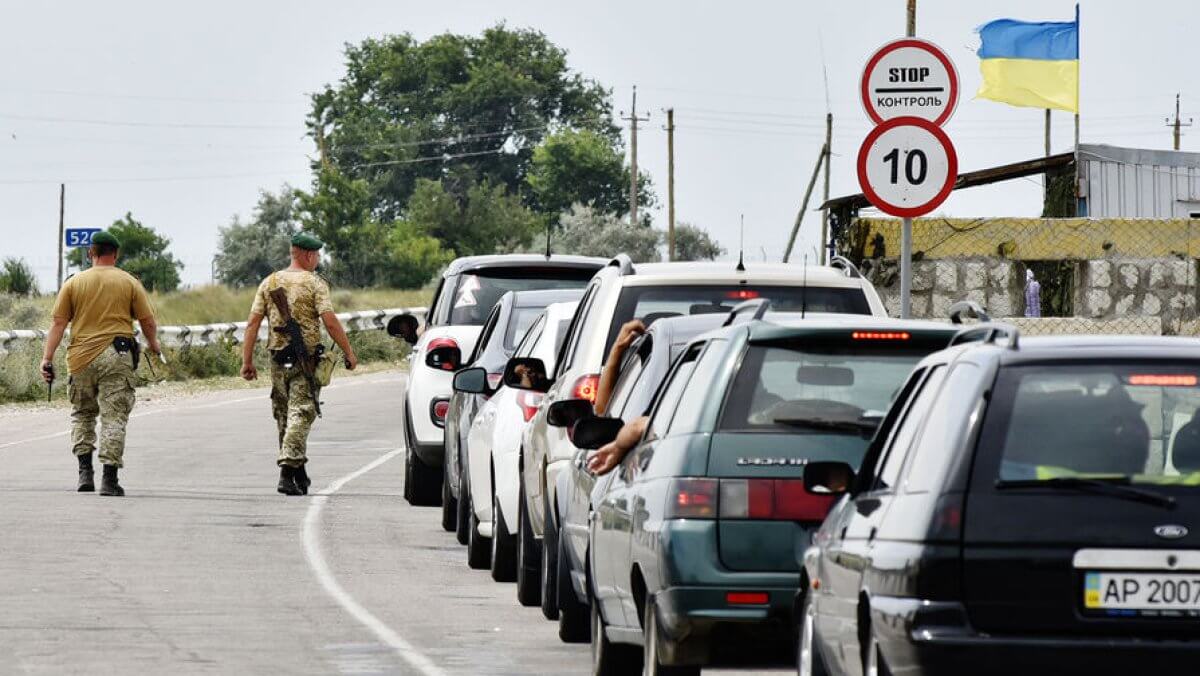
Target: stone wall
(1109, 290)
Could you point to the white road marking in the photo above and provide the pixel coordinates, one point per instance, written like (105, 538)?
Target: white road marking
(312, 551)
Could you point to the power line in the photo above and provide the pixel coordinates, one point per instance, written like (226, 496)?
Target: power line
(433, 158)
(167, 125)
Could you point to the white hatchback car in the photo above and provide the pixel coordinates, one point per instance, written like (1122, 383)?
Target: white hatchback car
(621, 292)
(494, 445)
(465, 294)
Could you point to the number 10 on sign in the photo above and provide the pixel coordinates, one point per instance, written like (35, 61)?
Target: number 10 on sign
(907, 167)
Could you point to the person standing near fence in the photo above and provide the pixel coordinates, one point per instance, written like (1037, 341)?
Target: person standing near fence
(1033, 295)
(294, 395)
(100, 305)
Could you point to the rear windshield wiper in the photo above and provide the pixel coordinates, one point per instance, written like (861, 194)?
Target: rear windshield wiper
(1117, 487)
(856, 426)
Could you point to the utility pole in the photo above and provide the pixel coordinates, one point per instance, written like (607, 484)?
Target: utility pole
(906, 224)
(633, 120)
(912, 19)
(670, 184)
(62, 201)
(787, 253)
(1177, 124)
(825, 212)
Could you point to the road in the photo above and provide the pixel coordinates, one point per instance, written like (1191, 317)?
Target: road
(203, 568)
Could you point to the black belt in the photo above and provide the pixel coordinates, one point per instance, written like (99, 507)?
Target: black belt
(123, 344)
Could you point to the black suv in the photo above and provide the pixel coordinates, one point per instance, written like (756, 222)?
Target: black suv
(1026, 506)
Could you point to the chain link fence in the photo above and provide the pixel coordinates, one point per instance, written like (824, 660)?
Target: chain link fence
(1116, 276)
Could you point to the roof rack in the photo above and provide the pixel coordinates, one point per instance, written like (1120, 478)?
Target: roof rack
(759, 305)
(986, 331)
(623, 263)
(845, 264)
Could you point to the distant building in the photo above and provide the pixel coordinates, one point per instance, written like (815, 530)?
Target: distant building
(1138, 183)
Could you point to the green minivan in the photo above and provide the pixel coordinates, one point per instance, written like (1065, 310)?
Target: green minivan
(696, 537)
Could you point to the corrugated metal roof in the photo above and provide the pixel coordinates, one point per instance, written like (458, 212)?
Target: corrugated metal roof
(1139, 183)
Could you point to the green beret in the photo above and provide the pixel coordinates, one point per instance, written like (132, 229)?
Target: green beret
(106, 237)
(307, 242)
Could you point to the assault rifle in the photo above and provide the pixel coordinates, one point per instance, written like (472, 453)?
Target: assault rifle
(296, 347)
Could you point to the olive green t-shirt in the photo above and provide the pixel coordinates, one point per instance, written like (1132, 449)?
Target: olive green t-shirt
(308, 299)
(101, 304)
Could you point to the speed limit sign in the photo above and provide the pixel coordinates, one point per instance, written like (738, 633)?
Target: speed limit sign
(907, 167)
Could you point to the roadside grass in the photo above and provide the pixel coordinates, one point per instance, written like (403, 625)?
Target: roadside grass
(21, 381)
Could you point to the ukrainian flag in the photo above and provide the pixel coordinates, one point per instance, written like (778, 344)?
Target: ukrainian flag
(1031, 64)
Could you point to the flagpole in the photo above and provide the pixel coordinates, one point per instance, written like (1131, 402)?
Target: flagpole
(1078, 77)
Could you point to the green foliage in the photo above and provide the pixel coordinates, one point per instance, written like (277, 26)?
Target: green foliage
(248, 252)
(694, 244)
(491, 98)
(143, 254)
(587, 232)
(482, 220)
(583, 167)
(16, 277)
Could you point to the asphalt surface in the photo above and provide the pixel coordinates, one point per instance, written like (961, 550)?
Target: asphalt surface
(204, 568)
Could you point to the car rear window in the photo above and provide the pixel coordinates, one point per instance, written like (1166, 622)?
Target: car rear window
(478, 291)
(1139, 422)
(651, 303)
(518, 323)
(826, 390)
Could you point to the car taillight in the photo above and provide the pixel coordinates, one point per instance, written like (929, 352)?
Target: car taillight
(747, 598)
(742, 294)
(438, 410)
(586, 387)
(692, 498)
(1163, 379)
(881, 335)
(495, 379)
(772, 500)
(528, 401)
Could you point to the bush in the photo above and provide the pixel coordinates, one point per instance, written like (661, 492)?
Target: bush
(16, 277)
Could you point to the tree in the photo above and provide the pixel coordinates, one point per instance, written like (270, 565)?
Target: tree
(143, 254)
(583, 167)
(694, 244)
(587, 232)
(16, 277)
(484, 220)
(250, 251)
(483, 101)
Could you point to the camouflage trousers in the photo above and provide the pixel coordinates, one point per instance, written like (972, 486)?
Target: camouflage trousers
(292, 403)
(105, 388)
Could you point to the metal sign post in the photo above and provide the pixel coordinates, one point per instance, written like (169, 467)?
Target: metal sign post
(907, 165)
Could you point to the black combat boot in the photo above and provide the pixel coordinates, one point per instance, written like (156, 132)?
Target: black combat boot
(302, 480)
(87, 477)
(287, 481)
(108, 482)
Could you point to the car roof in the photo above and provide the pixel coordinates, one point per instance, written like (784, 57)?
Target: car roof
(650, 274)
(1090, 348)
(471, 263)
(544, 297)
(684, 328)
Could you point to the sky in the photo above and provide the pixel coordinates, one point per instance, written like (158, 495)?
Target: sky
(182, 113)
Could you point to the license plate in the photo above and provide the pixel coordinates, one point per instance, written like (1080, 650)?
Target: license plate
(1142, 594)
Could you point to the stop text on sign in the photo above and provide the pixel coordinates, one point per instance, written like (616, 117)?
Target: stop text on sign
(910, 78)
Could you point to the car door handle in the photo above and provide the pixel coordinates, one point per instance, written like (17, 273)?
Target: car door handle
(871, 535)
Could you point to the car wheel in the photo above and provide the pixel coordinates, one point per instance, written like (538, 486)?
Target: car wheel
(479, 548)
(422, 483)
(573, 615)
(504, 547)
(463, 532)
(529, 558)
(874, 664)
(808, 656)
(608, 658)
(449, 507)
(652, 640)
(549, 571)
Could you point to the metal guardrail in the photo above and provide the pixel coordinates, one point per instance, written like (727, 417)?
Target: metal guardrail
(208, 334)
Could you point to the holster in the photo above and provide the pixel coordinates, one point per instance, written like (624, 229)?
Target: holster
(123, 344)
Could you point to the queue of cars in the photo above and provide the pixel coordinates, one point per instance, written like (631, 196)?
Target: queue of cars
(809, 480)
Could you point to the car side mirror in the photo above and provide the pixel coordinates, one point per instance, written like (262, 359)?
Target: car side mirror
(526, 373)
(471, 381)
(828, 478)
(444, 357)
(404, 326)
(568, 412)
(596, 431)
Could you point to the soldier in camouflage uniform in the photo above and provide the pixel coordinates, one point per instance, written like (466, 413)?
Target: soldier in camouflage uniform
(100, 305)
(292, 399)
